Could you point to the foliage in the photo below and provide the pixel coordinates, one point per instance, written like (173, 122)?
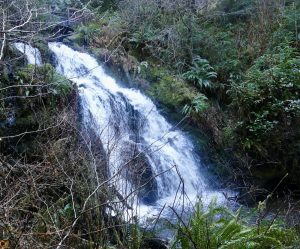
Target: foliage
(54, 83)
(267, 100)
(217, 227)
(36, 92)
(134, 239)
(86, 33)
(198, 105)
(102, 5)
(49, 187)
(145, 34)
(236, 9)
(200, 73)
(63, 4)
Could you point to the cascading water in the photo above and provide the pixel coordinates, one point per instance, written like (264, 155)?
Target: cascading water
(33, 55)
(144, 152)
(142, 148)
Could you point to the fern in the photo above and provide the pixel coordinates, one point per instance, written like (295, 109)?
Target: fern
(201, 73)
(218, 228)
(199, 104)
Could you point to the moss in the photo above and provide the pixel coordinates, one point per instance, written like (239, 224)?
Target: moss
(170, 90)
(55, 83)
(42, 45)
(74, 40)
(44, 91)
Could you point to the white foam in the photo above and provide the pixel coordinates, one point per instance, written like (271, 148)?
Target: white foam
(106, 107)
(32, 54)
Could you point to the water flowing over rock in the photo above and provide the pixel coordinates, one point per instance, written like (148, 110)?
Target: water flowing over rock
(145, 153)
(33, 55)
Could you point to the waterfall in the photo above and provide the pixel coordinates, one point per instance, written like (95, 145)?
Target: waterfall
(142, 147)
(33, 55)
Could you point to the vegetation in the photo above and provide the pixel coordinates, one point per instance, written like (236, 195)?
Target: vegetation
(53, 177)
(217, 227)
(230, 67)
(267, 101)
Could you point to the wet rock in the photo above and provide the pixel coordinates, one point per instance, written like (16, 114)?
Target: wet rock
(155, 243)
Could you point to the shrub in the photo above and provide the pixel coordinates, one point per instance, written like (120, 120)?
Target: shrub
(267, 101)
(201, 73)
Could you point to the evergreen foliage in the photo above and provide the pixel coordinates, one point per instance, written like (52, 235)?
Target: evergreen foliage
(216, 227)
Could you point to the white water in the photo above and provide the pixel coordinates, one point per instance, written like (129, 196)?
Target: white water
(129, 124)
(33, 55)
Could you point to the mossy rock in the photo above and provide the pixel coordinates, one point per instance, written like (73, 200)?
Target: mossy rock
(36, 104)
(42, 45)
(170, 90)
(54, 82)
(75, 41)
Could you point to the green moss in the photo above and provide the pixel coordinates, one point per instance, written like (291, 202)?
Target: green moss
(170, 90)
(42, 45)
(74, 40)
(55, 83)
(41, 93)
